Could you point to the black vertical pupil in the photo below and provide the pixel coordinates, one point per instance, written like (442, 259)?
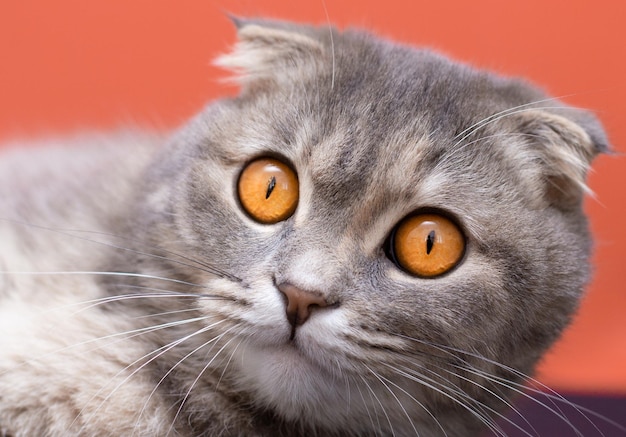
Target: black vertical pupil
(270, 187)
(430, 242)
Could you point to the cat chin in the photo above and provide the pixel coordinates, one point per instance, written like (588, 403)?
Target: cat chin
(286, 380)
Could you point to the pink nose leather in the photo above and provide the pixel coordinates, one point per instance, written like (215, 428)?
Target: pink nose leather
(300, 303)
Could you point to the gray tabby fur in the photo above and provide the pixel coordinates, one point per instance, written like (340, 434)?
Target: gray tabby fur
(171, 323)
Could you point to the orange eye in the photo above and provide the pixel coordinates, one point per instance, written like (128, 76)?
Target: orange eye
(268, 190)
(427, 245)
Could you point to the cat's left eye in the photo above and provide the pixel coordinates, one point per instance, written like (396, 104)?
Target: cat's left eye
(268, 190)
(427, 245)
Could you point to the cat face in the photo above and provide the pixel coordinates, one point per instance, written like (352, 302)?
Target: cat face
(322, 317)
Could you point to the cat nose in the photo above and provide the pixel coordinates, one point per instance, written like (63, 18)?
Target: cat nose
(300, 303)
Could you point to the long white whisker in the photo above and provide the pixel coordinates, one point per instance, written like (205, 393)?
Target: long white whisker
(521, 390)
(156, 354)
(366, 406)
(448, 156)
(494, 394)
(348, 393)
(97, 273)
(158, 384)
(72, 233)
(228, 363)
(332, 45)
(127, 335)
(417, 402)
(140, 331)
(167, 313)
(381, 406)
(462, 394)
(553, 395)
(533, 106)
(522, 387)
(161, 294)
(195, 381)
(503, 114)
(395, 397)
(447, 391)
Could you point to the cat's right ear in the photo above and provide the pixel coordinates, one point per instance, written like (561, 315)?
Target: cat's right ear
(268, 53)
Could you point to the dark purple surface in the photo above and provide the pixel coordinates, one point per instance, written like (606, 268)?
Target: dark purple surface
(594, 416)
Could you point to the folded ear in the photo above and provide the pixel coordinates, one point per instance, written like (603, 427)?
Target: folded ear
(269, 53)
(564, 146)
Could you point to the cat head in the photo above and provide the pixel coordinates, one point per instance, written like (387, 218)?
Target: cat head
(325, 310)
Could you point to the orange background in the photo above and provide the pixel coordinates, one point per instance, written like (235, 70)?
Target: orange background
(71, 65)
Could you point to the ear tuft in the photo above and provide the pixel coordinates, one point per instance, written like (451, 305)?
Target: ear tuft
(564, 147)
(265, 52)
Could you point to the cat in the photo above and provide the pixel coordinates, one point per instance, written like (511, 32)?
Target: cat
(370, 239)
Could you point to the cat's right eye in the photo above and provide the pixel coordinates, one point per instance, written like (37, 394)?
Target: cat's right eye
(426, 245)
(268, 190)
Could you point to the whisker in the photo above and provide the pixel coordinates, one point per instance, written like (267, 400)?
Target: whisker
(133, 333)
(71, 233)
(104, 300)
(104, 273)
(432, 384)
(495, 395)
(195, 381)
(525, 107)
(417, 402)
(156, 354)
(506, 384)
(158, 384)
(395, 397)
(367, 408)
(332, 45)
(521, 390)
(448, 155)
(121, 297)
(462, 394)
(348, 393)
(552, 395)
(484, 406)
(228, 363)
(381, 406)
(491, 119)
(167, 313)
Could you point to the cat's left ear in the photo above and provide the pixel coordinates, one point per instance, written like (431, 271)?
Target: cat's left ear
(269, 53)
(564, 146)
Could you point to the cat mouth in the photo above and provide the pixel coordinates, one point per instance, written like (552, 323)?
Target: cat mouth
(304, 345)
(301, 304)
(292, 335)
